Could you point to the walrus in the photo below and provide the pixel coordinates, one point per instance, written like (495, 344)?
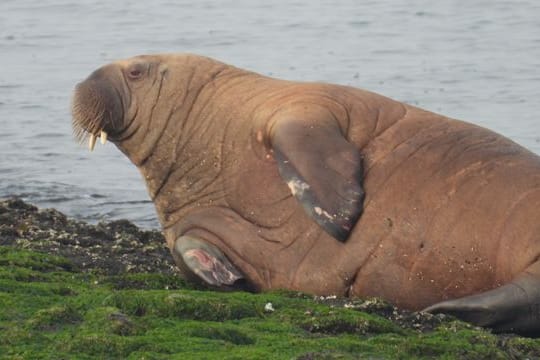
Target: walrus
(261, 183)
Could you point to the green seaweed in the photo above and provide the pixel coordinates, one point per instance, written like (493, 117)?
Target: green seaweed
(147, 281)
(49, 310)
(32, 260)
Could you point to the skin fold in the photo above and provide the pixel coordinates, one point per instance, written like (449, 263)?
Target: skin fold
(325, 189)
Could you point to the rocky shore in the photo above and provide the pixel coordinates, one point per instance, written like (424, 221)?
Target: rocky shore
(106, 248)
(117, 285)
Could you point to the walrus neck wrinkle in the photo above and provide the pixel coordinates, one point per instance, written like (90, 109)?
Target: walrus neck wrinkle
(149, 128)
(191, 175)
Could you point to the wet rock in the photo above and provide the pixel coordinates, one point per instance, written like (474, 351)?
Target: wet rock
(422, 322)
(110, 248)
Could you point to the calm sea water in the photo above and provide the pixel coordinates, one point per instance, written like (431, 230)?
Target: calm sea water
(474, 60)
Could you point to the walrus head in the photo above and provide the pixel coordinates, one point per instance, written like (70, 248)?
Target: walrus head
(129, 102)
(111, 102)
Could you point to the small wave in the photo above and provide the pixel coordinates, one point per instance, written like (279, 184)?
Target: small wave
(10, 86)
(48, 135)
(129, 202)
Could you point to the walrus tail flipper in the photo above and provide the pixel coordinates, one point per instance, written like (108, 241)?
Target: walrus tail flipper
(323, 171)
(206, 262)
(514, 307)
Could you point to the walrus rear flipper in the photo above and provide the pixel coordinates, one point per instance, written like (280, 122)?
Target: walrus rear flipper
(206, 262)
(323, 171)
(514, 307)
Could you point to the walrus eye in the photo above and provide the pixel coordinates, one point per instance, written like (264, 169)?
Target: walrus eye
(135, 72)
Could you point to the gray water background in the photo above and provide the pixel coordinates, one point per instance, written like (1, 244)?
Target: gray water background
(475, 60)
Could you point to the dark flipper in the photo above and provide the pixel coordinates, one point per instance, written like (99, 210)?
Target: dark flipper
(205, 261)
(514, 307)
(323, 171)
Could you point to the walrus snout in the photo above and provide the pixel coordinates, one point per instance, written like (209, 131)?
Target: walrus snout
(97, 109)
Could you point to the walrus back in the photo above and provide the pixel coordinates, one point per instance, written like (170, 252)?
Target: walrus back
(444, 196)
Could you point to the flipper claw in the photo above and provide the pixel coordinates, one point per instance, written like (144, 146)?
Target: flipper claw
(206, 261)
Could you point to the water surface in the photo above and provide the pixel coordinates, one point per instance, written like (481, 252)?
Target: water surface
(472, 60)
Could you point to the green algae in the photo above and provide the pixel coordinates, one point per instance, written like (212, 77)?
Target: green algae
(54, 317)
(32, 260)
(49, 310)
(70, 290)
(148, 281)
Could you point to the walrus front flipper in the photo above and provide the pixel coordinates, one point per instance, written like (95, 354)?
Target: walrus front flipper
(514, 307)
(205, 261)
(322, 169)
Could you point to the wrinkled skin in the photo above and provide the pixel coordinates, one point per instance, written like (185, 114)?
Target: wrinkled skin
(325, 189)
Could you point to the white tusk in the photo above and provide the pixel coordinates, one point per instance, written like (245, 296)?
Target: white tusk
(103, 137)
(92, 142)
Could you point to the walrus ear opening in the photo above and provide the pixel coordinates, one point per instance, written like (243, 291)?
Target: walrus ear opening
(205, 262)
